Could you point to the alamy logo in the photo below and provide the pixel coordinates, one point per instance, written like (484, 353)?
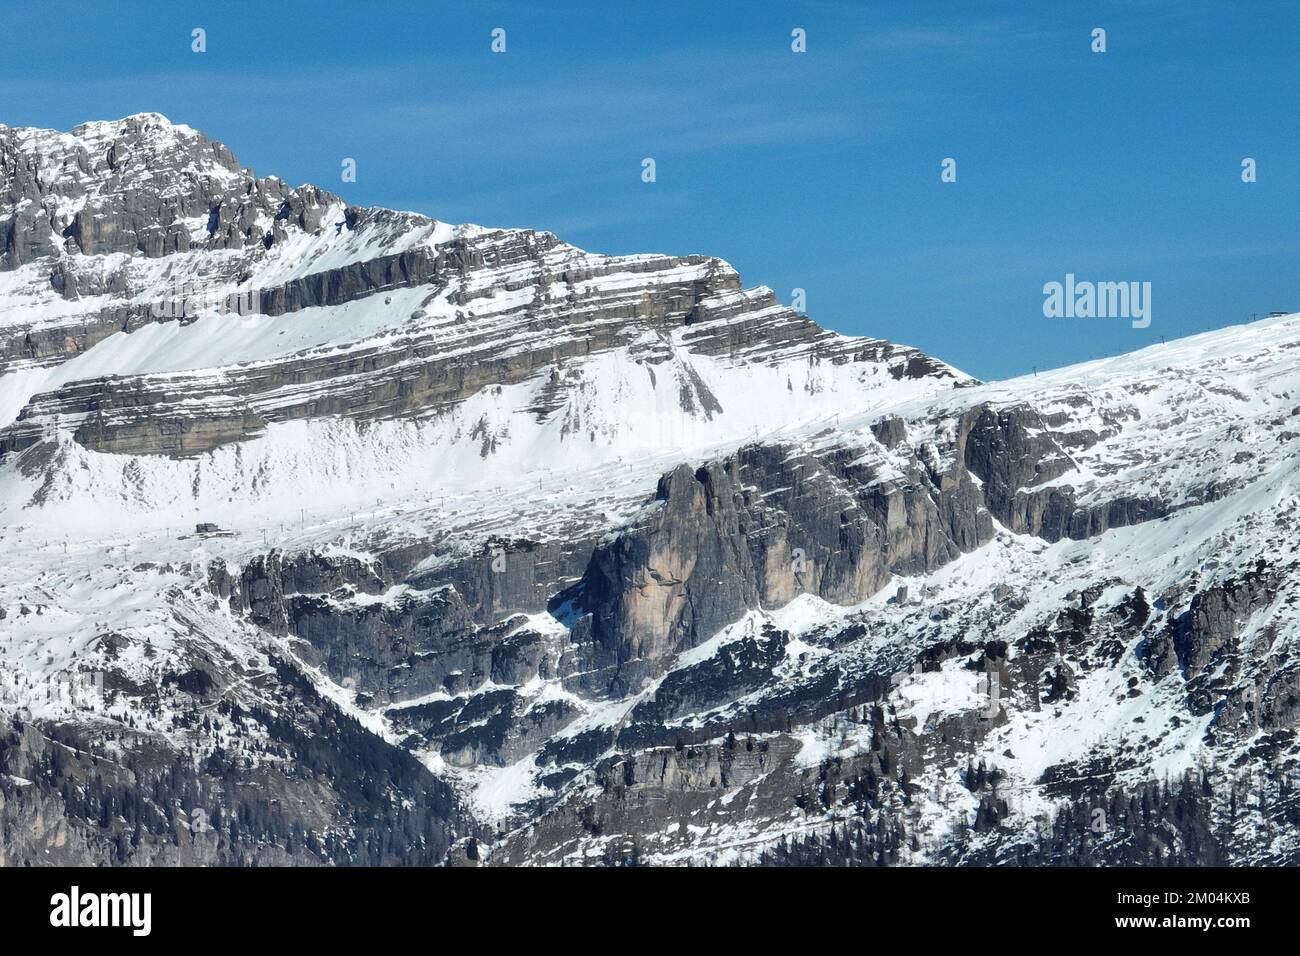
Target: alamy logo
(80, 690)
(1100, 300)
(103, 909)
(188, 301)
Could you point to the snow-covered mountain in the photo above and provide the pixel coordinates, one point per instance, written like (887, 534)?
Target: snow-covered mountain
(334, 534)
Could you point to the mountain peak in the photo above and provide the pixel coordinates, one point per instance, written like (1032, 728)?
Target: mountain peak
(94, 133)
(143, 120)
(123, 223)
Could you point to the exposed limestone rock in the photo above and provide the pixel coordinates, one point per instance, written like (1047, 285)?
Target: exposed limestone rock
(757, 530)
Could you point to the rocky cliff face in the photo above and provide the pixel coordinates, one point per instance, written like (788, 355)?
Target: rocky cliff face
(757, 530)
(470, 546)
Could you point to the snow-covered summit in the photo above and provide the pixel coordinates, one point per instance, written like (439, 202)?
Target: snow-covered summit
(236, 304)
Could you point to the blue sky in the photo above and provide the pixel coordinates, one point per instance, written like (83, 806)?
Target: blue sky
(817, 171)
